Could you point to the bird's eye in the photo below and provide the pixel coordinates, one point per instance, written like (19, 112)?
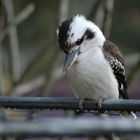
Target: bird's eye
(79, 41)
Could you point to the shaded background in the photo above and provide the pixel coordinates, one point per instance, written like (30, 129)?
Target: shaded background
(39, 72)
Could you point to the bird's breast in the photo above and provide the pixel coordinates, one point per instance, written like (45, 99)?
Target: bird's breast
(92, 77)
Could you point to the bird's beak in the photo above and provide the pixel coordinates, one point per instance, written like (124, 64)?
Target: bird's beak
(71, 59)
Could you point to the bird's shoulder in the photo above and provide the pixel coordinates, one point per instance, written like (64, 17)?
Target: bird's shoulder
(111, 50)
(115, 58)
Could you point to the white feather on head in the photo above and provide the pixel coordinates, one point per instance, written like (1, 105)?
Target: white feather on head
(78, 27)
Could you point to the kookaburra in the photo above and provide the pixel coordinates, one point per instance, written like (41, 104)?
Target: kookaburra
(93, 65)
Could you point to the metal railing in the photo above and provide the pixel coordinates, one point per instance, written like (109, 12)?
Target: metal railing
(69, 126)
(67, 103)
(75, 126)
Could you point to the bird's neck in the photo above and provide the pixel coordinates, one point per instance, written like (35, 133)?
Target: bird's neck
(90, 54)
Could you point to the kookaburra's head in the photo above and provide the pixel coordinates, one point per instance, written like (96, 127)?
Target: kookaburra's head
(75, 36)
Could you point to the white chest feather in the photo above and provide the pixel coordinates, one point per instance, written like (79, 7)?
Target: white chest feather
(92, 76)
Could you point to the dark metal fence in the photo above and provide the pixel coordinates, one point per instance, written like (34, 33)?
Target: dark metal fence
(71, 126)
(68, 103)
(76, 126)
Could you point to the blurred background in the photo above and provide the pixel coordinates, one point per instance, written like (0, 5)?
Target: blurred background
(30, 58)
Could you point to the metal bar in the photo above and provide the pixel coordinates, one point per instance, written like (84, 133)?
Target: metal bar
(70, 127)
(67, 103)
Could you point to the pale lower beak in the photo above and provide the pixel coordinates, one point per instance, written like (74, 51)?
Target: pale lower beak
(71, 59)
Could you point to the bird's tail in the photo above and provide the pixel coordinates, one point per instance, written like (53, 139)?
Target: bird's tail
(130, 115)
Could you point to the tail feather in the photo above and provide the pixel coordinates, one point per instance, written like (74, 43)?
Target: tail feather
(130, 115)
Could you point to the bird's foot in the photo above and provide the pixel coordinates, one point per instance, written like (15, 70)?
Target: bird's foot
(81, 103)
(100, 102)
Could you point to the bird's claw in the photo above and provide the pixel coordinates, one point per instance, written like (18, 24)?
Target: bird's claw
(100, 101)
(80, 106)
(81, 103)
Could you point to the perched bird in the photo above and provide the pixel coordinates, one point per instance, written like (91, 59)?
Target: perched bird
(93, 65)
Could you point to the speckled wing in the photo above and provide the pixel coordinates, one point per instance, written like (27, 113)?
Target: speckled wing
(115, 59)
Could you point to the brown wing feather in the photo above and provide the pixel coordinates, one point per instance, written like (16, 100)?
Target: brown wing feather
(111, 49)
(116, 61)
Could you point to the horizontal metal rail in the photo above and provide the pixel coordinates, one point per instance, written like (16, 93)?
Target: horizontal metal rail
(70, 127)
(67, 103)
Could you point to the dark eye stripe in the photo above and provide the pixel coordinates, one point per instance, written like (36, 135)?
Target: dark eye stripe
(89, 34)
(79, 41)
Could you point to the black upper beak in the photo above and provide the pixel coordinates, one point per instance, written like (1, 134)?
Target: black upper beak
(71, 59)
